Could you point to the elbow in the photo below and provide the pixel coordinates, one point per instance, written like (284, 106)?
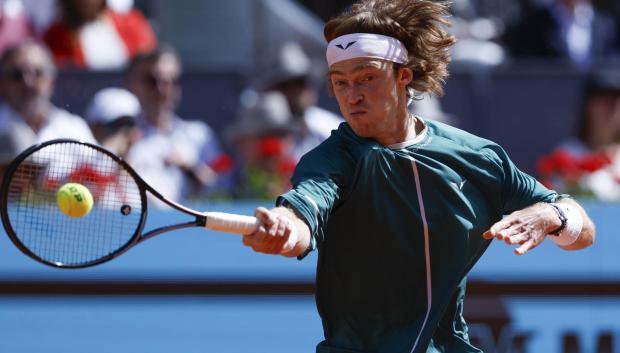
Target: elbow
(588, 236)
(585, 240)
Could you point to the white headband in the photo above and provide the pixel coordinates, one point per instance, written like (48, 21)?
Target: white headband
(366, 45)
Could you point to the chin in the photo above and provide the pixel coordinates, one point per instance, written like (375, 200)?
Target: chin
(361, 132)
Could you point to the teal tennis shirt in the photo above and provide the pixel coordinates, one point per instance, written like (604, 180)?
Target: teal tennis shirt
(397, 229)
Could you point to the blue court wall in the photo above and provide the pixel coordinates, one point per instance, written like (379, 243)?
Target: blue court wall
(546, 301)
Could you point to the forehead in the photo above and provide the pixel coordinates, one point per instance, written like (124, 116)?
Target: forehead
(164, 64)
(29, 56)
(358, 64)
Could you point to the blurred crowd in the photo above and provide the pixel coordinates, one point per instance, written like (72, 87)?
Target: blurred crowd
(278, 115)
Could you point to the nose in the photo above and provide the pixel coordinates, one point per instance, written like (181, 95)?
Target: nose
(30, 79)
(355, 96)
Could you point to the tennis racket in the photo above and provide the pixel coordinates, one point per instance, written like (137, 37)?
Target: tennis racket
(36, 225)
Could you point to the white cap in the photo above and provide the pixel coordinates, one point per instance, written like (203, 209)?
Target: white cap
(268, 113)
(110, 104)
(290, 62)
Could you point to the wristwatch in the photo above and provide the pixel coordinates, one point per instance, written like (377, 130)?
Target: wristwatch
(562, 217)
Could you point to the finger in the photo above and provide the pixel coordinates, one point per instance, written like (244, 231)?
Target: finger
(255, 238)
(275, 228)
(247, 240)
(505, 234)
(275, 246)
(291, 239)
(527, 246)
(503, 224)
(265, 216)
(282, 226)
(279, 239)
(264, 247)
(488, 235)
(259, 235)
(518, 238)
(502, 234)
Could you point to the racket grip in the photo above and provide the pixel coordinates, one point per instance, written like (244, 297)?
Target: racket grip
(231, 223)
(238, 224)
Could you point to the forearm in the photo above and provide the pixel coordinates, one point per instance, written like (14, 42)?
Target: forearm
(528, 227)
(301, 228)
(588, 231)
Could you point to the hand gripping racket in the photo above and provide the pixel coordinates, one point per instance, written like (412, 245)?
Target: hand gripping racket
(36, 225)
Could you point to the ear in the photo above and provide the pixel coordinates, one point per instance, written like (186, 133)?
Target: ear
(405, 76)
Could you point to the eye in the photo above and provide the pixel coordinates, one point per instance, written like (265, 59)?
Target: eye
(369, 77)
(339, 83)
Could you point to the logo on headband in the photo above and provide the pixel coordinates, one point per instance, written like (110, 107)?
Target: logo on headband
(347, 46)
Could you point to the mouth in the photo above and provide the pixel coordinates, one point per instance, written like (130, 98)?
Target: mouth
(357, 113)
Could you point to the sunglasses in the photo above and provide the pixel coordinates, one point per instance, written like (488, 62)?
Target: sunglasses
(153, 80)
(20, 75)
(119, 123)
(296, 82)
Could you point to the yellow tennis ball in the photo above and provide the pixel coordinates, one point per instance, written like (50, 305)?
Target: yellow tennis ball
(74, 200)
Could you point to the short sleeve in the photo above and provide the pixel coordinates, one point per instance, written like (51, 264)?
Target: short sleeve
(519, 190)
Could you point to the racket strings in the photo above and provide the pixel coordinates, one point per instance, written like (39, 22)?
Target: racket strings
(44, 230)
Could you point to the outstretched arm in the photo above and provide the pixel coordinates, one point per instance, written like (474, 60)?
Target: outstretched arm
(530, 226)
(277, 226)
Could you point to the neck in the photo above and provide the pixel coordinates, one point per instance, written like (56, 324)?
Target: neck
(406, 128)
(159, 119)
(34, 115)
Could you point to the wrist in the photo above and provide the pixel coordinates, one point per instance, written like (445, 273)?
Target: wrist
(558, 223)
(572, 224)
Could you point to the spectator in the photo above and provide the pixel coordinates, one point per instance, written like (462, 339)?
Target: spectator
(291, 75)
(27, 116)
(477, 34)
(15, 26)
(589, 163)
(263, 140)
(571, 30)
(90, 35)
(111, 115)
(173, 155)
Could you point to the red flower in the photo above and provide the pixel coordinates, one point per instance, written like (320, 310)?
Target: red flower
(560, 161)
(222, 163)
(545, 165)
(593, 162)
(270, 147)
(285, 167)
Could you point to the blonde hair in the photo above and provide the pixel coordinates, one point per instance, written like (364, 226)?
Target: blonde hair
(416, 23)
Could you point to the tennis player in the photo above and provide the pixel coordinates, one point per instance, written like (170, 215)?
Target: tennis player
(400, 208)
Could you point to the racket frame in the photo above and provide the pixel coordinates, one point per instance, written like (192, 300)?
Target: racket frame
(136, 238)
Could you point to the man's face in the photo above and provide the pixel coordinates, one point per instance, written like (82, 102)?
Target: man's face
(156, 84)
(27, 80)
(299, 93)
(88, 10)
(369, 92)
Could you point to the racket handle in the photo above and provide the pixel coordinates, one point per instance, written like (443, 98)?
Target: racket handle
(238, 224)
(231, 223)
